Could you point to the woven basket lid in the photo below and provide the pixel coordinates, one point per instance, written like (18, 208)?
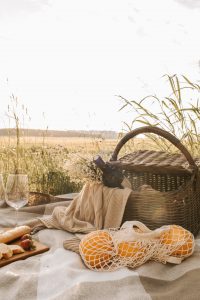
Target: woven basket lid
(157, 162)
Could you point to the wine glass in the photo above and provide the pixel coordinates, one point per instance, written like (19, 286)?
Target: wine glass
(2, 191)
(17, 192)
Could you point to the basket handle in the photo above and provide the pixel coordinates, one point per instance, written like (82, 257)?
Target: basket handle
(152, 129)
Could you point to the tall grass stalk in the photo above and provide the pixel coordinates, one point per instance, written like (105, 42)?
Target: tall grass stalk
(16, 111)
(43, 162)
(12, 114)
(177, 113)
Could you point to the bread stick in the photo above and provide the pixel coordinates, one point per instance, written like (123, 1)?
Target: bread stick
(14, 233)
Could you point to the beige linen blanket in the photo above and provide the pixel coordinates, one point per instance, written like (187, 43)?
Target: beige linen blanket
(60, 274)
(95, 207)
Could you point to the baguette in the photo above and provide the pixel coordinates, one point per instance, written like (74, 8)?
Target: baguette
(14, 233)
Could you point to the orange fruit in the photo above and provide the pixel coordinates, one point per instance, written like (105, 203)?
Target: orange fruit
(175, 235)
(96, 249)
(130, 250)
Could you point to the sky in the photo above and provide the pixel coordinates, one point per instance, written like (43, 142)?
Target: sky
(67, 61)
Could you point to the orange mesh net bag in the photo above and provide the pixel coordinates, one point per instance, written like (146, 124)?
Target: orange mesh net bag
(176, 243)
(134, 244)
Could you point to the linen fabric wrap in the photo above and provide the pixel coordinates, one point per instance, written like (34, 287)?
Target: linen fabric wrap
(95, 207)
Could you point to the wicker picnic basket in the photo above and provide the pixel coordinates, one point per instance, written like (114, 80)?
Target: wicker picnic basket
(166, 187)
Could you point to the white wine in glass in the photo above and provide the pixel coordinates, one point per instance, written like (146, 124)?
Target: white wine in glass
(17, 192)
(2, 191)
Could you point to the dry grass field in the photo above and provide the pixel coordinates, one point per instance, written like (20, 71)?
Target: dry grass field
(57, 165)
(74, 144)
(50, 161)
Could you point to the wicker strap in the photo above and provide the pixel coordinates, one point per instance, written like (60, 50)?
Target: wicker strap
(152, 129)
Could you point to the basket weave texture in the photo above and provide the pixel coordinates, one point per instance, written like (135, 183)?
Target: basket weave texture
(166, 187)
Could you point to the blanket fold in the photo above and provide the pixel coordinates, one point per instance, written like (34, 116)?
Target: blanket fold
(95, 207)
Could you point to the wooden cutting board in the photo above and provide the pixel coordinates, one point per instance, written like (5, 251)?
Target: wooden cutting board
(40, 248)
